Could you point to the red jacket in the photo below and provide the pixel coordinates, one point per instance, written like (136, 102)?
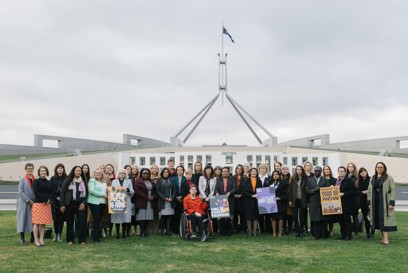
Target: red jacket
(195, 205)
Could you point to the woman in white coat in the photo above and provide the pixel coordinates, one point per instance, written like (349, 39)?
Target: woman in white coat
(125, 218)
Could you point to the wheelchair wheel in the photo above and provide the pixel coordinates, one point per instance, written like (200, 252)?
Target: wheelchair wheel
(183, 223)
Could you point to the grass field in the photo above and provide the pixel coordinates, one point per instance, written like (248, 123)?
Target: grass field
(237, 253)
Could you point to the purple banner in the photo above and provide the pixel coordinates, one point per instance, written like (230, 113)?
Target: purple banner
(266, 200)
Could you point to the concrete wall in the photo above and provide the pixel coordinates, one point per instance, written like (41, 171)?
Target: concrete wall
(70, 144)
(8, 149)
(143, 141)
(15, 170)
(391, 144)
(308, 142)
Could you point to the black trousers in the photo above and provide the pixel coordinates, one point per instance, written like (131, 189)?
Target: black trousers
(365, 211)
(57, 217)
(196, 221)
(97, 211)
(320, 229)
(175, 220)
(299, 216)
(72, 213)
(265, 223)
(239, 225)
(345, 226)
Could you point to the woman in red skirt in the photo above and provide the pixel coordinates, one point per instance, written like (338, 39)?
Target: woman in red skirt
(42, 205)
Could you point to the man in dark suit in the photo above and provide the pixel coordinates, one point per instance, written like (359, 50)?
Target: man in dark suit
(315, 209)
(225, 185)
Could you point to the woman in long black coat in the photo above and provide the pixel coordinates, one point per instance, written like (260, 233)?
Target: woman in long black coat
(251, 201)
(347, 194)
(239, 180)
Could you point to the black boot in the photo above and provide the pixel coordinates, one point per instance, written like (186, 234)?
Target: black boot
(124, 228)
(22, 238)
(117, 230)
(32, 237)
(143, 229)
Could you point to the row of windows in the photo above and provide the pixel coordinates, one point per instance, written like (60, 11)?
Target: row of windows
(229, 160)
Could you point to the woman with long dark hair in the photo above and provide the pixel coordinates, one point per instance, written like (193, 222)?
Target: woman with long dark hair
(288, 216)
(280, 192)
(239, 217)
(251, 201)
(381, 200)
(298, 199)
(73, 204)
(166, 193)
(86, 173)
(56, 185)
(363, 181)
(198, 172)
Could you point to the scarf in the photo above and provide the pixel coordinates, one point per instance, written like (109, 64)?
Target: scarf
(82, 189)
(29, 180)
(253, 182)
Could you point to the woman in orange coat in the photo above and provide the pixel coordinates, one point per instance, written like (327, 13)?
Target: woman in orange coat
(195, 208)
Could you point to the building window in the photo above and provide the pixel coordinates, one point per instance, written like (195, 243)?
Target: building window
(325, 161)
(294, 161)
(173, 158)
(275, 158)
(285, 161)
(315, 161)
(190, 166)
(190, 159)
(132, 160)
(208, 160)
(152, 160)
(258, 159)
(250, 159)
(304, 159)
(200, 158)
(229, 159)
(268, 161)
(182, 160)
(142, 161)
(162, 161)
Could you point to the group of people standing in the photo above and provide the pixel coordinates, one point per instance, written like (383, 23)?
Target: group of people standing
(156, 199)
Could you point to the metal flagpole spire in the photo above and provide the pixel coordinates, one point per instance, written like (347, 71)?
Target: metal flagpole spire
(223, 91)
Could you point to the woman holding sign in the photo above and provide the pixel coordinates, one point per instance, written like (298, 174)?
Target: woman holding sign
(251, 201)
(123, 218)
(381, 200)
(280, 193)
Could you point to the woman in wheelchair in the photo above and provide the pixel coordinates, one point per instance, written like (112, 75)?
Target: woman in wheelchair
(195, 209)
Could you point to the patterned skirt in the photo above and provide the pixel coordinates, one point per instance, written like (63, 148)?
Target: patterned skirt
(41, 214)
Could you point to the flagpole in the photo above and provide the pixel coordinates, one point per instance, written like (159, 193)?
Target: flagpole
(221, 61)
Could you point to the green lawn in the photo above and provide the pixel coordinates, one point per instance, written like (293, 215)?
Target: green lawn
(233, 254)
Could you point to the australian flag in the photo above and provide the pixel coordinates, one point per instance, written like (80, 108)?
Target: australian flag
(225, 31)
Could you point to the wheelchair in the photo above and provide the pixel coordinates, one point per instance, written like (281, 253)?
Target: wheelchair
(186, 228)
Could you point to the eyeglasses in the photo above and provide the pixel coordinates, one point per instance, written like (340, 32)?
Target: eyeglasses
(380, 167)
(318, 171)
(145, 173)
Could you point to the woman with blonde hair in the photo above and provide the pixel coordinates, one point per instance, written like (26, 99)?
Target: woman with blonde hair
(98, 195)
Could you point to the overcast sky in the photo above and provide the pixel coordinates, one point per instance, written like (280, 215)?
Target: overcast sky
(99, 69)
